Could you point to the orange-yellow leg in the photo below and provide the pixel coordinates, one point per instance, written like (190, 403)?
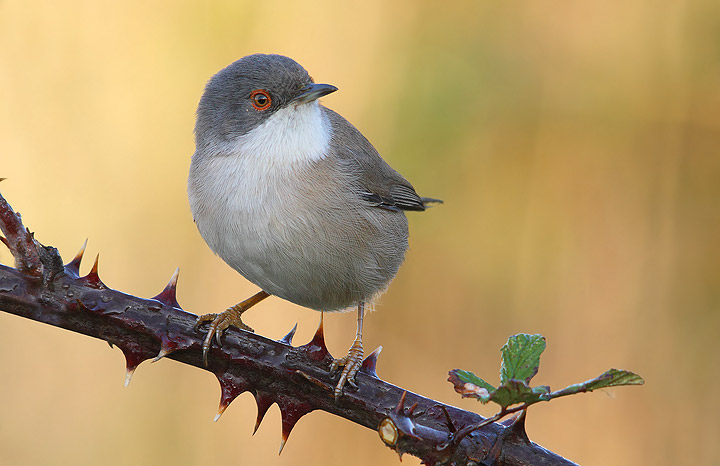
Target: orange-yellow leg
(220, 322)
(353, 361)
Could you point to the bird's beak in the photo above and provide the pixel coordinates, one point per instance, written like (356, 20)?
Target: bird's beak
(312, 92)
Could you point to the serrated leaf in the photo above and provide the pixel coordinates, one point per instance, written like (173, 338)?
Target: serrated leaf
(521, 357)
(470, 385)
(611, 378)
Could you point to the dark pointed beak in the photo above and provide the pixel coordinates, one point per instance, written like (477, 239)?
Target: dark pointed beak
(312, 92)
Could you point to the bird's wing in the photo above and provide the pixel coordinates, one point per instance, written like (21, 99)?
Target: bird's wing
(380, 185)
(399, 198)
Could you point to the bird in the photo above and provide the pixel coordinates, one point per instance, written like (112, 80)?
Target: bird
(293, 197)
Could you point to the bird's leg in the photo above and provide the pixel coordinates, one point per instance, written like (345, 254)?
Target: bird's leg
(220, 322)
(353, 361)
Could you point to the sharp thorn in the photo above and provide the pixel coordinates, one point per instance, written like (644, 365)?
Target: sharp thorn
(4, 241)
(287, 339)
(173, 280)
(369, 364)
(316, 349)
(94, 270)
(401, 403)
(231, 387)
(412, 408)
(128, 375)
(168, 295)
(74, 265)
(163, 352)
(516, 429)
(220, 412)
(448, 420)
(319, 338)
(93, 279)
(282, 444)
(291, 412)
(264, 401)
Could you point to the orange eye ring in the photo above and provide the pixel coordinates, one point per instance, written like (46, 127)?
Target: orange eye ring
(260, 99)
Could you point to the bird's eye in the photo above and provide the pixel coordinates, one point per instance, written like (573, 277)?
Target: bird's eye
(260, 99)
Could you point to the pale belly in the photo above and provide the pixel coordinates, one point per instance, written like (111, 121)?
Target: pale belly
(323, 252)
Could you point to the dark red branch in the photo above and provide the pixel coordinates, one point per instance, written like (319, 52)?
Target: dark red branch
(296, 378)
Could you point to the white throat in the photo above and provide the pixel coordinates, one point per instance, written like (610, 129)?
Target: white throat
(292, 134)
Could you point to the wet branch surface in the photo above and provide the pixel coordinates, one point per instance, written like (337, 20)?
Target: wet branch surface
(41, 288)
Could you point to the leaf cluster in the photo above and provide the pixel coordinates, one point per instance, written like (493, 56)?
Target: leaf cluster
(520, 363)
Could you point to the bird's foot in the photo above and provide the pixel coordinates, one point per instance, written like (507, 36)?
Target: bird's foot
(351, 365)
(218, 324)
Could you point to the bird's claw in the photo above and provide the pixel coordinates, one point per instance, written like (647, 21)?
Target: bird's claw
(351, 365)
(218, 324)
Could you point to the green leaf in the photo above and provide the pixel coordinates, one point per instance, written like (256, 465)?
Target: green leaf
(469, 385)
(521, 357)
(520, 362)
(514, 392)
(611, 378)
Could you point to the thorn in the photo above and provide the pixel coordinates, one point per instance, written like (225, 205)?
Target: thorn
(264, 401)
(164, 351)
(221, 410)
(514, 433)
(93, 279)
(412, 408)
(448, 421)
(287, 339)
(231, 387)
(402, 419)
(321, 327)
(128, 375)
(74, 265)
(316, 349)
(291, 410)
(369, 365)
(4, 241)
(516, 430)
(401, 404)
(94, 270)
(168, 295)
(134, 356)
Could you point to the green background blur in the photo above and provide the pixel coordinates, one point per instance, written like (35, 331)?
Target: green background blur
(576, 145)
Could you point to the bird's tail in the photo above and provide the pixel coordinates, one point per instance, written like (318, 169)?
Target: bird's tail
(430, 200)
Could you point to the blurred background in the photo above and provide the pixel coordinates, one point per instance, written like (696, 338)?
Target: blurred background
(576, 146)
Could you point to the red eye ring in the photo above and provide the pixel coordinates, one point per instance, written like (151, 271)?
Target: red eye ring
(260, 99)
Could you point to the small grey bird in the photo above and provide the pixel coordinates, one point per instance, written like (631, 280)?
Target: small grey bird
(292, 196)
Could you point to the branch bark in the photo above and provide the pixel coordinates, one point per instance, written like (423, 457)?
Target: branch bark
(41, 288)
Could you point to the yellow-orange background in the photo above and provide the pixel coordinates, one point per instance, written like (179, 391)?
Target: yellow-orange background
(576, 146)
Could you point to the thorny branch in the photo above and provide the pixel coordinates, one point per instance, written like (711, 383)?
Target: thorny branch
(296, 378)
